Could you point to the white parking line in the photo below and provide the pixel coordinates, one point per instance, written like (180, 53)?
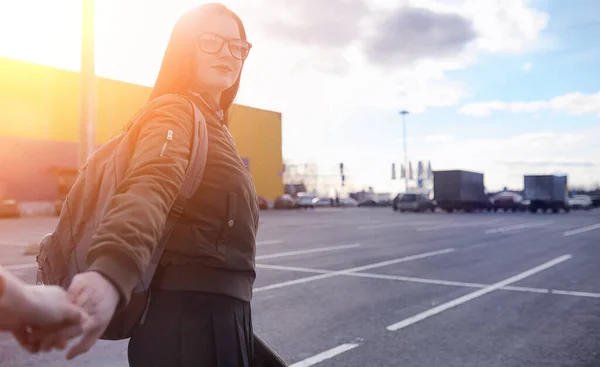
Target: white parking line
(268, 242)
(355, 269)
(582, 230)
(20, 266)
(433, 281)
(373, 276)
(457, 225)
(576, 294)
(308, 251)
(476, 294)
(325, 355)
(518, 226)
(391, 225)
(321, 226)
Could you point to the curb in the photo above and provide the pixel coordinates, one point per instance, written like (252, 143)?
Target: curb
(37, 209)
(31, 249)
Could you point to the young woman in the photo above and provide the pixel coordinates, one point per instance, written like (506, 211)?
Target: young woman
(199, 313)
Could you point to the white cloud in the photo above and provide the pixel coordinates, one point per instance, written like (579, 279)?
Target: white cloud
(131, 38)
(439, 138)
(576, 104)
(527, 66)
(505, 160)
(507, 26)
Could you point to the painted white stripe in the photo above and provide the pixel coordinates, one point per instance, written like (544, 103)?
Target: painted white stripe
(321, 357)
(374, 276)
(518, 226)
(433, 281)
(476, 294)
(319, 226)
(13, 244)
(457, 225)
(308, 251)
(293, 268)
(268, 242)
(355, 269)
(525, 289)
(577, 294)
(582, 230)
(391, 225)
(20, 266)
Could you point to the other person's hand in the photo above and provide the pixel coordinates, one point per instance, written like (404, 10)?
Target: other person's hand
(99, 299)
(25, 307)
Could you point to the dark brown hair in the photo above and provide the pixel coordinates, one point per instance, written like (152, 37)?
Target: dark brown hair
(176, 70)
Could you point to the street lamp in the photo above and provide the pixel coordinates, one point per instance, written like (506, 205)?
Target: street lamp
(87, 110)
(404, 113)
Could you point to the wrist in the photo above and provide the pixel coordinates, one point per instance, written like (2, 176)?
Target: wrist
(15, 293)
(120, 271)
(109, 285)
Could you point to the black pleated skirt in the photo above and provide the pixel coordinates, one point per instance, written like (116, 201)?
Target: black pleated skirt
(184, 329)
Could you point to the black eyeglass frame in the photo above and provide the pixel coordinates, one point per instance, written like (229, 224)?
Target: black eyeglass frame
(226, 40)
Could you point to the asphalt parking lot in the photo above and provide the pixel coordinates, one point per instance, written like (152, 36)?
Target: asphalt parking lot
(370, 287)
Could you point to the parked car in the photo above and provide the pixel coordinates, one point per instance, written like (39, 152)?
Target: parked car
(413, 203)
(263, 203)
(368, 203)
(9, 208)
(348, 202)
(508, 201)
(284, 201)
(306, 202)
(581, 202)
(325, 202)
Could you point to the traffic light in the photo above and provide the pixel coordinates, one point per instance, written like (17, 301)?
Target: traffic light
(393, 171)
(342, 173)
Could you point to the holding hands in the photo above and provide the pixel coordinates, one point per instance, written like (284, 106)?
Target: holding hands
(45, 317)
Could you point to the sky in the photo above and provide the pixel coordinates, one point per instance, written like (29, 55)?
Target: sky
(505, 88)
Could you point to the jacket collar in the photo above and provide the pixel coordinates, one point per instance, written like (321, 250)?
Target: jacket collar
(209, 102)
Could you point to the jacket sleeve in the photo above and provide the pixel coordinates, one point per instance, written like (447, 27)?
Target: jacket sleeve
(130, 230)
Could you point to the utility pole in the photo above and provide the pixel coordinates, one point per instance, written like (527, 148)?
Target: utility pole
(87, 108)
(404, 113)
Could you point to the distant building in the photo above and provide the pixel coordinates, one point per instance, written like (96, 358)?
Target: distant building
(39, 119)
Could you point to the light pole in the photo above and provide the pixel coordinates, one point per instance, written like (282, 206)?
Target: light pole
(404, 113)
(87, 108)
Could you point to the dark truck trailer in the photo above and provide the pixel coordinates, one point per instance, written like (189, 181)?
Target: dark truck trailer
(546, 192)
(460, 190)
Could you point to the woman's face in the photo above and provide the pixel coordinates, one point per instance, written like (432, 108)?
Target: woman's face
(219, 53)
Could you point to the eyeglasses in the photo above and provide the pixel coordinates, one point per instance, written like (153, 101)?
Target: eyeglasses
(213, 43)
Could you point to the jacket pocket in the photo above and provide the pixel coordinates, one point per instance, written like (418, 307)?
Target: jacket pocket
(229, 224)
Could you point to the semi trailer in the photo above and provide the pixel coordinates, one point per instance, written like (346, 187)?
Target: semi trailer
(460, 190)
(546, 192)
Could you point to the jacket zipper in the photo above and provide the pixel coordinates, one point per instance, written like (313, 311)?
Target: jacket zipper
(169, 138)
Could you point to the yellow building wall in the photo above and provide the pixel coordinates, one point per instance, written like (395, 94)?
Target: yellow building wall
(258, 137)
(42, 103)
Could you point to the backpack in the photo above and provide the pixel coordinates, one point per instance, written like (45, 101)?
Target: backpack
(62, 253)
